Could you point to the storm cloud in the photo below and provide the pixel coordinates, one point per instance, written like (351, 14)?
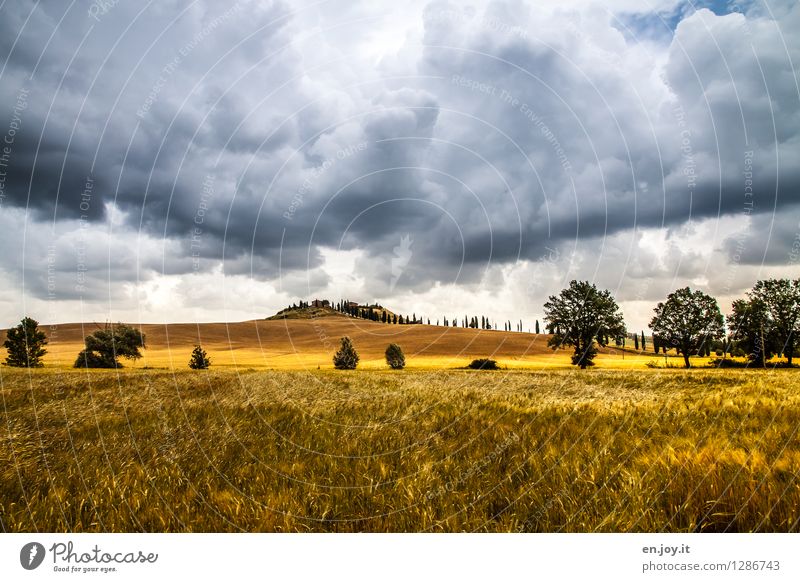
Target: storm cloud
(278, 141)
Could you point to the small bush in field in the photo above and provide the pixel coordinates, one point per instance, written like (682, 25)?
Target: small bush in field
(484, 364)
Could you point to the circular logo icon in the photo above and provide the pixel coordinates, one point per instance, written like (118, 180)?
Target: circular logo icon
(31, 555)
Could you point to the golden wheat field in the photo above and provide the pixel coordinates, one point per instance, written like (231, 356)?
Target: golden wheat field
(440, 451)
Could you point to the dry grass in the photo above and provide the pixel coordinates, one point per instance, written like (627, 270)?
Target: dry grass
(556, 450)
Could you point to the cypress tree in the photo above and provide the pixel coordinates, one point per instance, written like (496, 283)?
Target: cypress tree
(346, 358)
(199, 359)
(25, 344)
(395, 357)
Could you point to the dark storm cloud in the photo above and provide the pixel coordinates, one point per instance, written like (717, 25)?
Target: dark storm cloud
(221, 130)
(767, 239)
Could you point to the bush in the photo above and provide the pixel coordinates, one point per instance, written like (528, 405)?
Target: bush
(728, 363)
(395, 357)
(90, 359)
(484, 364)
(25, 344)
(104, 346)
(660, 364)
(199, 359)
(347, 357)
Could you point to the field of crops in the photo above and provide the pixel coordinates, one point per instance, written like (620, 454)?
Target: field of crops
(548, 450)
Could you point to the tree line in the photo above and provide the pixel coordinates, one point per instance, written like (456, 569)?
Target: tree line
(762, 325)
(379, 314)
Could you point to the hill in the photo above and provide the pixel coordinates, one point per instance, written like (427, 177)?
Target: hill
(300, 342)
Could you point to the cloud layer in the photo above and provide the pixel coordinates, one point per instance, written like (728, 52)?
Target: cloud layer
(288, 150)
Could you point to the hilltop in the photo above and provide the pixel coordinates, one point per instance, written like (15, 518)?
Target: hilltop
(324, 308)
(305, 313)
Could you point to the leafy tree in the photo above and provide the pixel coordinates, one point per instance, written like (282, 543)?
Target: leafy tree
(346, 358)
(687, 320)
(752, 330)
(199, 359)
(781, 298)
(580, 316)
(25, 344)
(537, 326)
(636, 341)
(395, 357)
(105, 346)
(643, 343)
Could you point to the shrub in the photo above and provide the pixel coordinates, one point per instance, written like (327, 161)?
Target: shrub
(347, 357)
(25, 344)
(660, 364)
(395, 357)
(199, 359)
(484, 364)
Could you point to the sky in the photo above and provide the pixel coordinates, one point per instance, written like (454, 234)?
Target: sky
(206, 161)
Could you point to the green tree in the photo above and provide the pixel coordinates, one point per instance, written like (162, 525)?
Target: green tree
(687, 320)
(643, 343)
(781, 298)
(25, 344)
(581, 316)
(395, 357)
(537, 327)
(105, 346)
(751, 329)
(346, 358)
(199, 359)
